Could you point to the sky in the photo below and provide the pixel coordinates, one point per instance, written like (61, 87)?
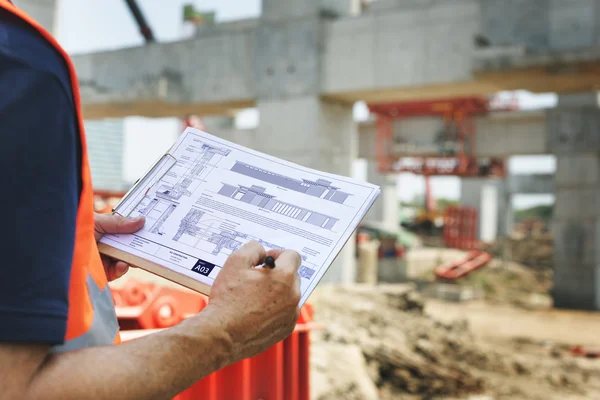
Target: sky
(96, 25)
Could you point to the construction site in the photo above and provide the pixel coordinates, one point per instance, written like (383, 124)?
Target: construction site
(460, 283)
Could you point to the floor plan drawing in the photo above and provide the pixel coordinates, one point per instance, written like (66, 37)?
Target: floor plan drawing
(318, 188)
(257, 195)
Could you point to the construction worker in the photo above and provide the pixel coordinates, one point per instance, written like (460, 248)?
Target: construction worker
(58, 327)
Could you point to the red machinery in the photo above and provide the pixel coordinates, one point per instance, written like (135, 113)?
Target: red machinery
(456, 143)
(454, 152)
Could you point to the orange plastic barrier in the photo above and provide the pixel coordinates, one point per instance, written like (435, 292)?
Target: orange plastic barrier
(458, 269)
(280, 373)
(141, 305)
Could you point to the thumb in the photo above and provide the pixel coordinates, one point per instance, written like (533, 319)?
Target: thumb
(249, 255)
(114, 223)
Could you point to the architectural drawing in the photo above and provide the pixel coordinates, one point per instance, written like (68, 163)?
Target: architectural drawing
(197, 170)
(226, 239)
(188, 224)
(257, 196)
(306, 272)
(192, 225)
(320, 188)
(205, 231)
(271, 246)
(155, 211)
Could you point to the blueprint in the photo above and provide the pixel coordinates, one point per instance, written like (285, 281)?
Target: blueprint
(207, 197)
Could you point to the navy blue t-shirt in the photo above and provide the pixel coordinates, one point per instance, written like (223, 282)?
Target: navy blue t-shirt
(39, 185)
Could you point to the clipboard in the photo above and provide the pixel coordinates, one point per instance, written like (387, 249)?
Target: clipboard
(153, 175)
(206, 196)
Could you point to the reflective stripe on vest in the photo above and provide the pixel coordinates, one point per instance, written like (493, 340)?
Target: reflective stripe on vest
(92, 320)
(104, 327)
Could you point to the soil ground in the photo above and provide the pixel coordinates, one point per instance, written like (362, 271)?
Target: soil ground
(428, 349)
(497, 321)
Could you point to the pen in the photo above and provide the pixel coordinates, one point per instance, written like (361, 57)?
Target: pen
(269, 262)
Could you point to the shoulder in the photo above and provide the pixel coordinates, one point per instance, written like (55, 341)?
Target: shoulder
(21, 43)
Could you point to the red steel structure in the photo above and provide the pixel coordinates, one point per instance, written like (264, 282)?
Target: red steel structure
(457, 114)
(460, 228)
(459, 130)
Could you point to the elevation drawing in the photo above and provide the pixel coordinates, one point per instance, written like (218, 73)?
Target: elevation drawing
(320, 188)
(257, 196)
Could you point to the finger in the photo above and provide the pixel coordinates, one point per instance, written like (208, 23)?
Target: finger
(249, 255)
(120, 269)
(114, 223)
(275, 253)
(289, 261)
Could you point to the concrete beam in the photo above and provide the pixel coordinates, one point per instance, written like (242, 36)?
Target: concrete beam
(401, 50)
(497, 135)
(531, 184)
(561, 72)
(423, 50)
(208, 74)
(541, 25)
(395, 48)
(511, 133)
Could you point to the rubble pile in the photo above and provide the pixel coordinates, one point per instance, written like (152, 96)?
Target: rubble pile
(381, 333)
(535, 251)
(509, 282)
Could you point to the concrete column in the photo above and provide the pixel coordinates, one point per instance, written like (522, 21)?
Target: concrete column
(315, 134)
(510, 215)
(384, 211)
(574, 136)
(296, 124)
(488, 196)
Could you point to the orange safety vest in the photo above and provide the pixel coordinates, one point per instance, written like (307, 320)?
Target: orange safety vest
(92, 320)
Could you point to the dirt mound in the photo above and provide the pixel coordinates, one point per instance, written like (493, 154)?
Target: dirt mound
(499, 281)
(535, 251)
(409, 355)
(509, 282)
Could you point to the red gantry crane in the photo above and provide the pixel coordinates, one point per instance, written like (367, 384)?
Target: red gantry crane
(453, 154)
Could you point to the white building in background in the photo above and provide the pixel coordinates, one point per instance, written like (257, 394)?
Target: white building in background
(106, 148)
(121, 150)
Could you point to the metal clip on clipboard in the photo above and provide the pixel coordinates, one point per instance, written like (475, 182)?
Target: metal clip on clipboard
(154, 174)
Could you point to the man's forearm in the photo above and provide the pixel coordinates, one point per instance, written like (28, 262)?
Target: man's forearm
(157, 366)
